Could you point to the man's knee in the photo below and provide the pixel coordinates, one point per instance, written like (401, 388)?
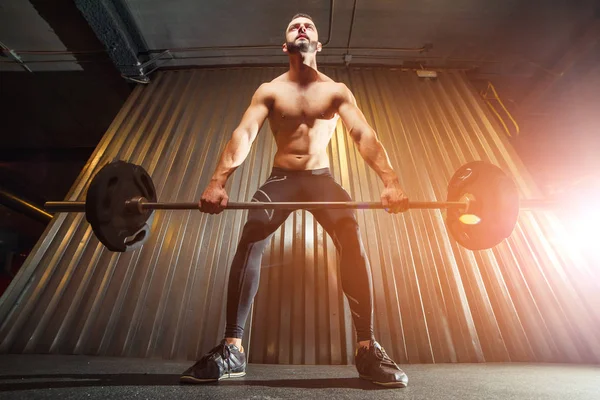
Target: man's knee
(347, 235)
(255, 231)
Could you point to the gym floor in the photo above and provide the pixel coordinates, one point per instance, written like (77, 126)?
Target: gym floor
(75, 377)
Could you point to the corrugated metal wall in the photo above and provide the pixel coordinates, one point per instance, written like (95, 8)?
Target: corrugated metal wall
(529, 299)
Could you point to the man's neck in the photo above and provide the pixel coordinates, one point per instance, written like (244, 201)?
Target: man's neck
(303, 68)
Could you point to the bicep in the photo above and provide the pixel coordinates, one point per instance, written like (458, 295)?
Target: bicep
(255, 115)
(352, 116)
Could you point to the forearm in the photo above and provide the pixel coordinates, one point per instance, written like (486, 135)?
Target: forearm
(235, 152)
(374, 154)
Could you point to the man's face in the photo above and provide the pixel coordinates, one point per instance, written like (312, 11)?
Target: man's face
(301, 36)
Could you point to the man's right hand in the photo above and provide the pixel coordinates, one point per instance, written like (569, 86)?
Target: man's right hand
(214, 199)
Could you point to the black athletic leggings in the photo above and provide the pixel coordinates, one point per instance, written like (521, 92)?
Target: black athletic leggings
(341, 225)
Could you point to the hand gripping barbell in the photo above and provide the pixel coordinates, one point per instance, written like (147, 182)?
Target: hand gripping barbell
(482, 202)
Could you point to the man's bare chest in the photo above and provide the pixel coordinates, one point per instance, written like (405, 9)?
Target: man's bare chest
(303, 105)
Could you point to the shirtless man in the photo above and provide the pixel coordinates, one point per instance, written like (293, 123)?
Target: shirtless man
(303, 106)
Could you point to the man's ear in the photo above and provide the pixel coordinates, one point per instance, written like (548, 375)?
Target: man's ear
(284, 48)
(319, 46)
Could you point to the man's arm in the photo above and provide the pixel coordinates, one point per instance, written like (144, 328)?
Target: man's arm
(243, 136)
(215, 198)
(365, 138)
(371, 150)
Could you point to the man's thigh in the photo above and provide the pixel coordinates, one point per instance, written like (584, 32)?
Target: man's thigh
(334, 221)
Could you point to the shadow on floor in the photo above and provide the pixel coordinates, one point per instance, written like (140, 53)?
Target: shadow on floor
(53, 381)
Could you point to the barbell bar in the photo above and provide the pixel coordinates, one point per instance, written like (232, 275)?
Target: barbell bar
(482, 205)
(141, 204)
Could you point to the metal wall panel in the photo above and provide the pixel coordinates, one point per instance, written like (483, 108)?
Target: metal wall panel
(532, 298)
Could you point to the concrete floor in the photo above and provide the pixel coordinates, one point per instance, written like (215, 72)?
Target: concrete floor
(77, 377)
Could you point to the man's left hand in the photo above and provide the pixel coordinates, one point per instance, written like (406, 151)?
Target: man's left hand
(393, 199)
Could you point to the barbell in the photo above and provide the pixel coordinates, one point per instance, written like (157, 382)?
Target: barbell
(482, 205)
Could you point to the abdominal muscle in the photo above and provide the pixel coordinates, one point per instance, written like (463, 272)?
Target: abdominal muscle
(304, 148)
(301, 162)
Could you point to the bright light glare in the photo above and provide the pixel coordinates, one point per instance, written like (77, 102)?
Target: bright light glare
(579, 216)
(580, 219)
(583, 227)
(469, 219)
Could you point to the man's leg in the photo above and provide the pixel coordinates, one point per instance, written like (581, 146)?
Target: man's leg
(372, 362)
(244, 274)
(355, 273)
(228, 359)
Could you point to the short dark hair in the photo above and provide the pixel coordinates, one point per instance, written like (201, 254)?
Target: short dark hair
(300, 15)
(303, 16)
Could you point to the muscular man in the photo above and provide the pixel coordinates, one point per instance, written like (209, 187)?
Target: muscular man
(303, 106)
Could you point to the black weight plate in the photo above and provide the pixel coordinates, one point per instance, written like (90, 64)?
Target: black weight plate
(117, 227)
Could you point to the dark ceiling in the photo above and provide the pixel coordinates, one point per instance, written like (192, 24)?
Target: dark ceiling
(543, 57)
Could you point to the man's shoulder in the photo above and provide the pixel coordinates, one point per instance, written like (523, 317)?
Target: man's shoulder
(326, 78)
(339, 90)
(267, 90)
(277, 81)
(338, 87)
(271, 86)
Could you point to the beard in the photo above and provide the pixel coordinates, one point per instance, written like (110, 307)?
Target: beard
(306, 46)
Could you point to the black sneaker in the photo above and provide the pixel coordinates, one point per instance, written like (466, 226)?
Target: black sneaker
(376, 366)
(223, 361)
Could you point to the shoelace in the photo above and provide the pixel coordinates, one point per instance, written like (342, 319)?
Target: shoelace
(225, 352)
(379, 351)
(221, 349)
(383, 356)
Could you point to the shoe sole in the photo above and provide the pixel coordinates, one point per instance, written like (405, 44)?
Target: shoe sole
(386, 384)
(192, 379)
